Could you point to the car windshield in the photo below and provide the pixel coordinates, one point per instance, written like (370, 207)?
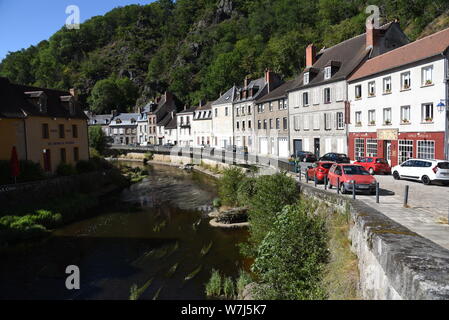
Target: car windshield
(327, 165)
(443, 165)
(355, 170)
(382, 161)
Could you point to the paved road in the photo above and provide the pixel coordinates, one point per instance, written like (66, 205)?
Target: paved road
(428, 207)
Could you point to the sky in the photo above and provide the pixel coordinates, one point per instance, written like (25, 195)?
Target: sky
(27, 22)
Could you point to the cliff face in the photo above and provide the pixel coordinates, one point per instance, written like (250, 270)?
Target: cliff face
(197, 48)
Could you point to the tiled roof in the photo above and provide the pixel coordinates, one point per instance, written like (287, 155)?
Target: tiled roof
(427, 47)
(278, 93)
(228, 97)
(190, 110)
(126, 119)
(14, 103)
(100, 119)
(173, 124)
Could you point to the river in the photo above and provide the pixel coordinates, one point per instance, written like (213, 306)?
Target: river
(153, 235)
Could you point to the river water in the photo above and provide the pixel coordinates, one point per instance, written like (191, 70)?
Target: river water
(154, 235)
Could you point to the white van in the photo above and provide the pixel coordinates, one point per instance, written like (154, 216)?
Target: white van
(427, 171)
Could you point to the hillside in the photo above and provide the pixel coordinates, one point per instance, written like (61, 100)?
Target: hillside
(198, 48)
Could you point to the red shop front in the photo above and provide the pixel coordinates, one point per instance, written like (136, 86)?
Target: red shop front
(395, 146)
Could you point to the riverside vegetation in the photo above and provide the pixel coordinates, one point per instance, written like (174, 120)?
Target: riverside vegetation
(300, 247)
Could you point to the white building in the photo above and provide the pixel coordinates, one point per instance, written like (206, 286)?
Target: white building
(399, 103)
(184, 124)
(202, 126)
(223, 120)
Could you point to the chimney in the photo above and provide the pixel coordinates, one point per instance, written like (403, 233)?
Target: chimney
(269, 79)
(114, 113)
(246, 82)
(372, 35)
(310, 55)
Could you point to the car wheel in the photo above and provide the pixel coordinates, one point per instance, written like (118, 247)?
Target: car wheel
(396, 176)
(371, 172)
(342, 188)
(426, 180)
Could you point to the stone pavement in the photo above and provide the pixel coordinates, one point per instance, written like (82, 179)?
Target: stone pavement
(427, 212)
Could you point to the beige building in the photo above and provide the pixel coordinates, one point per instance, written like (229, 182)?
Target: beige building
(46, 126)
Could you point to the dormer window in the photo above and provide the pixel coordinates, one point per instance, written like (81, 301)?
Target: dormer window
(306, 78)
(327, 73)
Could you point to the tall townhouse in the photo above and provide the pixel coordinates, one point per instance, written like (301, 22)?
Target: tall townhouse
(45, 126)
(142, 127)
(202, 125)
(157, 112)
(245, 110)
(272, 125)
(223, 119)
(399, 103)
(165, 128)
(319, 110)
(184, 121)
(102, 120)
(123, 128)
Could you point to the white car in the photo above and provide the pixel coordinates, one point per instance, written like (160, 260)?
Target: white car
(427, 171)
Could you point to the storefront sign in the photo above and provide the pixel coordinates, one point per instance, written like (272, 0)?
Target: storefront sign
(389, 134)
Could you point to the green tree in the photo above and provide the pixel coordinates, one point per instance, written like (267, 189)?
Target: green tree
(97, 138)
(229, 185)
(291, 258)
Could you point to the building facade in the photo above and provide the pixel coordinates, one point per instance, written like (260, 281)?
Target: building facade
(202, 126)
(184, 127)
(123, 129)
(46, 126)
(399, 103)
(223, 119)
(318, 103)
(157, 111)
(272, 124)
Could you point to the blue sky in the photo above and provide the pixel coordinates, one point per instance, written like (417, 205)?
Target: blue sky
(27, 22)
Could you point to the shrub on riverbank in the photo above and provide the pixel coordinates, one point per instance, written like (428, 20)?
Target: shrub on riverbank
(29, 171)
(292, 257)
(213, 287)
(229, 184)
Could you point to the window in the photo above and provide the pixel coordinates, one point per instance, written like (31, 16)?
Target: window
(327, 121)
(271, 106)
(405, 80)
(372, 88)
(243, 125)
(305, 99)
(306, 122)
(265, 124)
(259, 124)
(75, 131)
(271, 123)
(249, 110)
(358, 118)
(359, 148)
(306, 78)
(405, 150)
(316, 122)
(426, 149)
(405, 114)
(61, 131)
(371, 147)
(387, 85)
(285, 123)
(297, 121)
(281, 104)
(327, 73)
(63, 156)
(76, 154)
(45, 131)
(427, 76)
(427, 112)
(237, 113)
(327, 95)
(340, 121)
(278, 123)
(358, 92)
(387, 116)
(243, 111)
(238, 125)
(372, 117)
(216, 113)
(249, 124)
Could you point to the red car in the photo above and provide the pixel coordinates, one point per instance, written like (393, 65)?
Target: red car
(319, 170)
(375, 165)
(342, 176)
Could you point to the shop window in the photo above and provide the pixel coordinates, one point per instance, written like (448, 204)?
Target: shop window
(405, 150)
(371, 147)
(426, 149)
(359, 148)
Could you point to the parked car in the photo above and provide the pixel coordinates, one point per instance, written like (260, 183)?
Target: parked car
(427, 171)
(304, 156)
(342, 175)
(375, 165)
(320, 170)
(335, 157)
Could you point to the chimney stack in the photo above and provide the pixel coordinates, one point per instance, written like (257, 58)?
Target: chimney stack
(372, 35)
(269, 79)
(246, 82)
(310, 55)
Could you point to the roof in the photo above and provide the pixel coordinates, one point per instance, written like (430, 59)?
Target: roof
(203, 112)
(207, 106)
(190, 110)
(166, 120)
(100, 119)
(278, 93)
(126, 119)
(15, 103)
(228, 97)
(424, 48)
(348, 54)
(173, 124)
(260, 83)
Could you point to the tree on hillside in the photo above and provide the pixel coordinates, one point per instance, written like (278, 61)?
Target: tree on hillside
(97, 138)
(113, 94)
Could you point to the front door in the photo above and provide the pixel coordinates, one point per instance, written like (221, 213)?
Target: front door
(317, 147)
(297, 146)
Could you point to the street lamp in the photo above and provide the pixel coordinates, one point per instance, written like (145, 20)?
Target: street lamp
(441, 106)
